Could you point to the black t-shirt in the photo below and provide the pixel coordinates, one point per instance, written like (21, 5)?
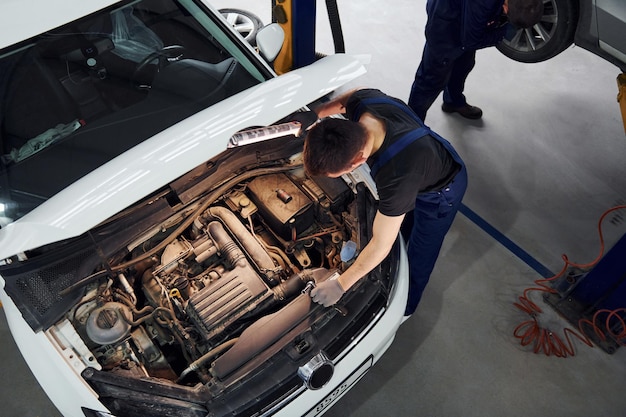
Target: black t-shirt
(423, 166)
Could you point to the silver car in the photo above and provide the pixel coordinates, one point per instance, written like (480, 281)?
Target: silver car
(596, 25)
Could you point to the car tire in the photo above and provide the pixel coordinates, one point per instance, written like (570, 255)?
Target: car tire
(244, 22)
(548, 38)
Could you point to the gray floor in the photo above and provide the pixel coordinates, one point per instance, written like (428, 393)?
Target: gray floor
(545, 162)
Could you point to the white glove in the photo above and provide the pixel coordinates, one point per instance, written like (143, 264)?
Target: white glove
(327, 293)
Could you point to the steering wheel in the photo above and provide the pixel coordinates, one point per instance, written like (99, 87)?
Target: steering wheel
(164, 56)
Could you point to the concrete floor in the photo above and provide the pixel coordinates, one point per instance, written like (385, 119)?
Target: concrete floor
(545, 162)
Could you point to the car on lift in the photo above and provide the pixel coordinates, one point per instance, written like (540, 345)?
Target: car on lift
(246, 23)
(596, 25)
(159, 234)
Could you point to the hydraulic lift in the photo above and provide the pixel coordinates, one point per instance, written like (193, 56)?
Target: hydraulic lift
(595, 300)
(297, 18)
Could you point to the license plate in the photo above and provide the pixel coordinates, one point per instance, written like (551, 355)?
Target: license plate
(341, 388)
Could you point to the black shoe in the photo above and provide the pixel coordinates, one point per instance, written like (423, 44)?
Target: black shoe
(467, 111)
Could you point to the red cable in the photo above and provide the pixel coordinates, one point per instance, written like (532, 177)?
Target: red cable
(530, 332)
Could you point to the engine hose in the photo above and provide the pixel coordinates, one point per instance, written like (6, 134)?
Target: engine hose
(252, 245)
(292, 286)
(274, 252)
(543, 340)
(141, 313)
(195, 365)
(225, 245)
(213, 196)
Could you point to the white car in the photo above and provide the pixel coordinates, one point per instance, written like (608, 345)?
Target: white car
(158, 233)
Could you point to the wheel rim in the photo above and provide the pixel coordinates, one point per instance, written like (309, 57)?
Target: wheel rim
(537, 36)
(242, 24)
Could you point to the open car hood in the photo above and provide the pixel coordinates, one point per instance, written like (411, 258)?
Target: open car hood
(171, 153)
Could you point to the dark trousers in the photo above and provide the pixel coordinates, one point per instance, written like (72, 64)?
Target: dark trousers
(431, 220)
(441, 69)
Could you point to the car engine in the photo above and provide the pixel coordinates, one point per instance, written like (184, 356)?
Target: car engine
(197, 300)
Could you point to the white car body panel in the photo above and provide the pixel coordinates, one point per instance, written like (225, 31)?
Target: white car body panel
(171, 153)
(18, 22)
(49, 366)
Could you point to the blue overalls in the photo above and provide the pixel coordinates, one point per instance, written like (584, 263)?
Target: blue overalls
(434, 210)
(455, 29)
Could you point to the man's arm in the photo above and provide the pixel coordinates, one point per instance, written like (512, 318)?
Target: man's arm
(385, 231)
(479, 28)
(335, 106)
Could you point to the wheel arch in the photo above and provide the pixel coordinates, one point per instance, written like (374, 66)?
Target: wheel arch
(561, 33)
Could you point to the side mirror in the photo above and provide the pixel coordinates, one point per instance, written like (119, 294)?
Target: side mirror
(269, 41)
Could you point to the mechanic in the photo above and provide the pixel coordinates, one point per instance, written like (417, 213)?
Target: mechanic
(454, 31)
(416, 171)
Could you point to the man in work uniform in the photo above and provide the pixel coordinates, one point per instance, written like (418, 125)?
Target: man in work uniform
(420, 178)
(454, 31)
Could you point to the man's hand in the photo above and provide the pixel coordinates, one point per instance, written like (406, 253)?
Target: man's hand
(510, 33)
(305, 118)
(327, 293)
(385, 233)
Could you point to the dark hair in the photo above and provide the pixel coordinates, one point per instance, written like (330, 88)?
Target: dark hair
(525, 13)
(332, 145)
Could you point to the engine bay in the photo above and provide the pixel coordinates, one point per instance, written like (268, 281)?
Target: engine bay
(200, 296)
(195, 298)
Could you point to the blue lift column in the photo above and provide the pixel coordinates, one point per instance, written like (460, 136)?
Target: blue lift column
(297, 18)
(601, 289)
(304, 12)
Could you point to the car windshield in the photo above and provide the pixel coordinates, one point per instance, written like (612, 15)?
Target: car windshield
(76, 97)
